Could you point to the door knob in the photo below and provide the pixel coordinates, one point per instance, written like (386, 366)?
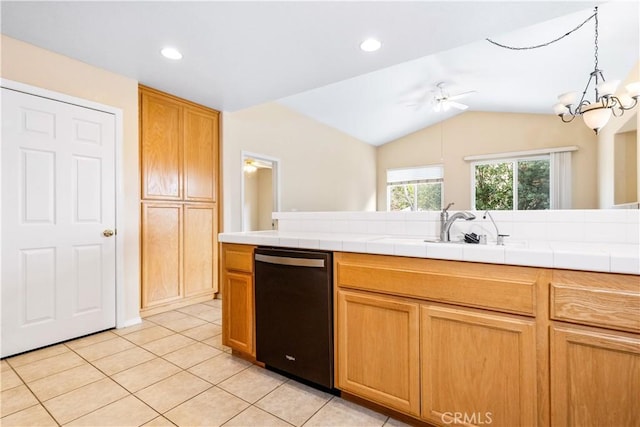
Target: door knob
(108, 233)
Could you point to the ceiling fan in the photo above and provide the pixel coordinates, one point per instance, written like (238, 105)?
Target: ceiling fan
(443, 101)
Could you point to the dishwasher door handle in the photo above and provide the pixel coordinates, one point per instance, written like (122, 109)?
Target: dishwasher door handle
(296, 262)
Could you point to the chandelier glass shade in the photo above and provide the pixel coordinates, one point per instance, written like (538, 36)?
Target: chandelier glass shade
(596, 113)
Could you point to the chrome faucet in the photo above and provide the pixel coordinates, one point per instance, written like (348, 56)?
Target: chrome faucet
(447, 221)
(499, 237)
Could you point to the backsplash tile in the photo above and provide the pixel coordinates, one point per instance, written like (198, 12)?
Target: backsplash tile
(590, 225)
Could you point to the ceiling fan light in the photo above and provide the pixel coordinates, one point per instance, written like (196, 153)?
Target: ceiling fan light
(568, 98)
(608, 88)
(595, 116)
(633, 89)
(559, 109)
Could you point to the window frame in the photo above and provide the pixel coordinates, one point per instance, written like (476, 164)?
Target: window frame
(514, 182)
(440, 181)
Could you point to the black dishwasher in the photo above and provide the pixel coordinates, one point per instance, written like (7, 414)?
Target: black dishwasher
(294, 312)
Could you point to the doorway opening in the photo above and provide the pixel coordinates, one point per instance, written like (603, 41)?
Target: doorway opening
(260, 184)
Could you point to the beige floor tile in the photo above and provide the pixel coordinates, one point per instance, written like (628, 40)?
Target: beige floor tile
(104, 348)
(16, 399)
(208, 330)
(124, 360)
(172, 391)
(194, 308)
(52, 365)
(216, 342)
(65, 381)
(214, 303)
(339, 412)
(219, 368)
(391, 422)
(253, 416)
(145, 374)
(148, 334)
(128, 411)
(252, 384)
(159, 422)
(183, 324)
(191, 355)
(33, 416)
(210, 315)
(4, 365)
(168, 344)
(35, 355)
(90, 339)
(294, 402)
(169, 316)
(10, 379)
(81, 401)
(214, 407)
(134, 328)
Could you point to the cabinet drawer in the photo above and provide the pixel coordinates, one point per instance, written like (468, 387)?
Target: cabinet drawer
(499, 287)
(598, 299)
(238, 257)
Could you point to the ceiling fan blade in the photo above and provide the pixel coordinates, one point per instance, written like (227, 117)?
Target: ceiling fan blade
(458, 105)
(461, 95)
(437, 106)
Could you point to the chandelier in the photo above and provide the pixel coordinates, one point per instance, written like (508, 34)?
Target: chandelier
(596, 114)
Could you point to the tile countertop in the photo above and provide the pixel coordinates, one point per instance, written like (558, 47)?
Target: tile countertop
(614, 258)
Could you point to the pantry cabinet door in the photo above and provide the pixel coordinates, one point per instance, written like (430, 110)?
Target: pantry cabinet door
(161, 150)
(200, 249)
(478, 367)
(200, 155)
(161, 253)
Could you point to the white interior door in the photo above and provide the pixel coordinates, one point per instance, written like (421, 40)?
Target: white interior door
(58, 198)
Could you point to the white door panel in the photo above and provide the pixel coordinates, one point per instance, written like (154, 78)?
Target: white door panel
(58, 196)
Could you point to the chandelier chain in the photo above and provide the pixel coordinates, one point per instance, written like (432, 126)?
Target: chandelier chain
(596, 38)
(595, 15)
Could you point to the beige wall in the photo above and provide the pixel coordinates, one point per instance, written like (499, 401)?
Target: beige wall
(320, 168)
(31, 65)
(625, 167)
(474, 133)
(265, 198)
(606, 147)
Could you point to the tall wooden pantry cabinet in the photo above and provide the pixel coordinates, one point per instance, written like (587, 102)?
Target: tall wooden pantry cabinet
(179, 146)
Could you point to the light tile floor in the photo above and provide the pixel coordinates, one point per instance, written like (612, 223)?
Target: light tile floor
(171, 369)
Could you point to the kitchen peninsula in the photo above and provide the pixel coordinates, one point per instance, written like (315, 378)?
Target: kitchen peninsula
(530, 333)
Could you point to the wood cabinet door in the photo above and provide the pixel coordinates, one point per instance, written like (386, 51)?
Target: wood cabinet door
(378, 349)
(200, 249)
(477, 367)
(238, 312)
(161, 253)
(595, 377)
(160, 147)
(200, 155)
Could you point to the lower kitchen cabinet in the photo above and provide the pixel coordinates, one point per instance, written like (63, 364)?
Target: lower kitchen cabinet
(378, 349)
(478, 367)
(238, 310)
(595, 377)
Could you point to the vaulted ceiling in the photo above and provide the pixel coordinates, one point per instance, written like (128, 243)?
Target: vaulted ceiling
(306, 54)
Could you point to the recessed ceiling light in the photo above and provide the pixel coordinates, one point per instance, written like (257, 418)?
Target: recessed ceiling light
(370, 45)
(171, 53)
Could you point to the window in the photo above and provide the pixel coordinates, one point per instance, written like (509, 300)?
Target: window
(415, 189)
(512, 184)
